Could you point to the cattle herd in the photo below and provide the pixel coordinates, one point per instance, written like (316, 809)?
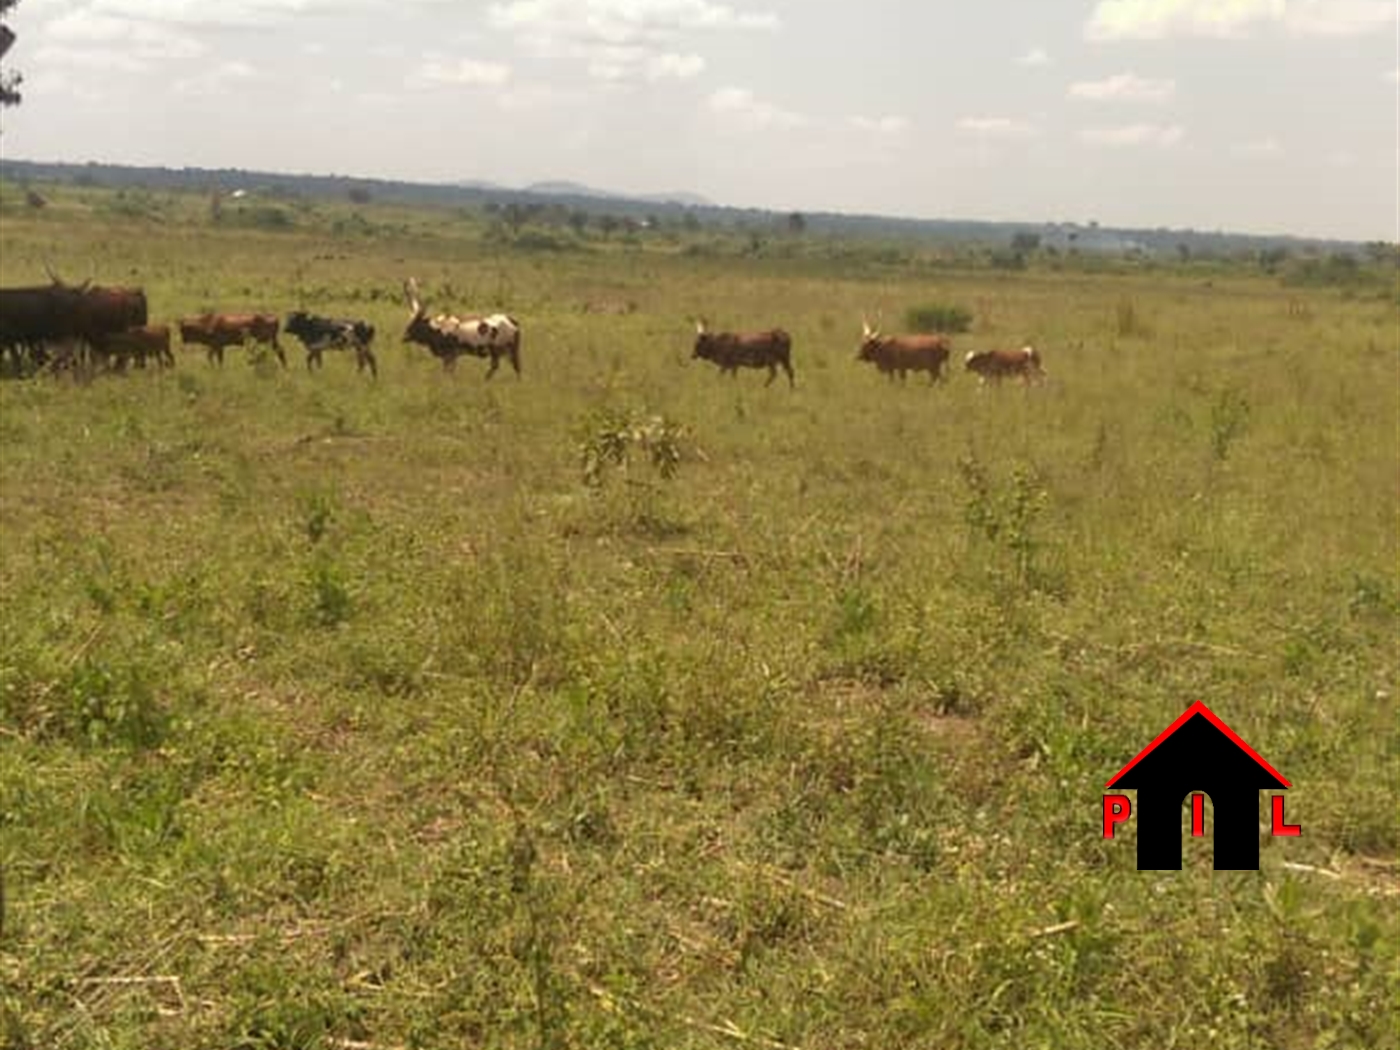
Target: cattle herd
(57, 326)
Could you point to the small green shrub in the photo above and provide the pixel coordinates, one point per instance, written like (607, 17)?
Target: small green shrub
(610, 436)
(1229, 418)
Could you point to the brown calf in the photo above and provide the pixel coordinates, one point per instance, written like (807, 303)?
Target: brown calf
(996, 365)
(147, 343)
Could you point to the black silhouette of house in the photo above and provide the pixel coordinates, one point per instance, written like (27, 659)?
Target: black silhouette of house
(1198, 752)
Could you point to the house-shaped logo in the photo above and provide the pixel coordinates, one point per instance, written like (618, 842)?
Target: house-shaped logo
(1197, 753)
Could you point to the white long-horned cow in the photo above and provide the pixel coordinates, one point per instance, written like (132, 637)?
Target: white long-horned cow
(448, 337)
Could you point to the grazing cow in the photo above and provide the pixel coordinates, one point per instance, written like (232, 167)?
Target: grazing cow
(448, 338)
(734, 350)
(32, 318)
(319, 334)
(902, 354)
(147, 343)
(996, 365)
(216, 331)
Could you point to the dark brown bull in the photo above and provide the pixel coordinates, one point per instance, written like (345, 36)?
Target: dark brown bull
(996, 365)
(31, 319)
(734, 350)
(902, 354)
(215, 332)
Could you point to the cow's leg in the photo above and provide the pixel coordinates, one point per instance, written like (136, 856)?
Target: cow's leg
(495, 364)
(367, 358)
(277, 349)
(792, 379)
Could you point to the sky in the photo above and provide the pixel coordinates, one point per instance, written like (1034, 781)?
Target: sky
(1259, 116)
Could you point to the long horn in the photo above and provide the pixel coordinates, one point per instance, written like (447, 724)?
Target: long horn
(57, 280)
(410, 288)
(700, 326)
(865, 326)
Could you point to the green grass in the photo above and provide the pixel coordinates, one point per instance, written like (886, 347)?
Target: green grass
(340, 713)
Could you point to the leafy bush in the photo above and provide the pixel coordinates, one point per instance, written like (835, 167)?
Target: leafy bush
(938, 317)
(610, 436)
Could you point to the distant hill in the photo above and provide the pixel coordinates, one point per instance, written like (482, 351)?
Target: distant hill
(564, 188)
(1086, 238)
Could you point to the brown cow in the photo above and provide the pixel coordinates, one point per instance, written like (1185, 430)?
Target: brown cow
(216, 331)
(902, 354)
(734, 350)
(147, 343)
(997, 365)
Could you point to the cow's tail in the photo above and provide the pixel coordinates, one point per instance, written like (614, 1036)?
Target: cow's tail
(514, 345)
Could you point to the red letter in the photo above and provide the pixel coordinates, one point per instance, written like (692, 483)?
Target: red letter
(1116, 809)
(1198, 816)
(1280, 828)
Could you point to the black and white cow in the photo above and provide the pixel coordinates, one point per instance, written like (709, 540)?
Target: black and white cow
(332, 333)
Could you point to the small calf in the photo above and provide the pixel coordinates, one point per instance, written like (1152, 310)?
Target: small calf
(996, 365)
(145, 343)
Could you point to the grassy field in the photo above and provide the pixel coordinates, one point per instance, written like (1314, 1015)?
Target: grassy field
(344, 714)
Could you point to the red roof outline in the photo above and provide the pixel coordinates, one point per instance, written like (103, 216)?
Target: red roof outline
(1213, 719)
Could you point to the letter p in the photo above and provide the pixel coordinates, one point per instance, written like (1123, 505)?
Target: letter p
(1116, 809)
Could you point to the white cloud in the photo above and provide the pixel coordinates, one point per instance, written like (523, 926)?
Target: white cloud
(1124, 87)
(462, 72)
(242, 13)
(1338, 17)
(740, 107)
(1155, 19)
(621, 40)
(59, 55)
(82, 28)
(669, 65)
(623, 21)
(217, 80)
(886, 125)
(1265, 147)
(1393, 76)
(1159, 19)
(995, 128)
(618, 64)
(1036, 56)
(1161, 136)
